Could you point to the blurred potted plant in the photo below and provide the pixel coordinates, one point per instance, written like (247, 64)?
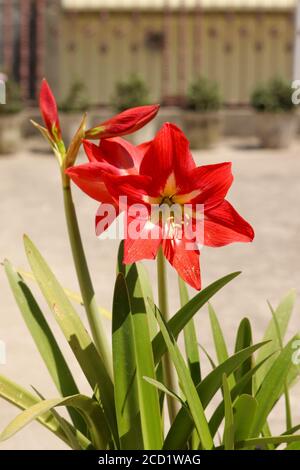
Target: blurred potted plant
(72, 108)
(201, 119)
(10, 119)
(129, 94)
(276, 120)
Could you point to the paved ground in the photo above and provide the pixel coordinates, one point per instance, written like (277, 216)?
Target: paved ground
(266, 192)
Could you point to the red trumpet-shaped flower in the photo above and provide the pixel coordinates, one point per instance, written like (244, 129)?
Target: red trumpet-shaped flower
(124, 123)
(49, 111)
(166, 174)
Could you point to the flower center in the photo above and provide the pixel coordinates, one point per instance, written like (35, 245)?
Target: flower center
(167, 200)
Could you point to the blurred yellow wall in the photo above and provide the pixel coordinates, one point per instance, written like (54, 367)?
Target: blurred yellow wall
(237, 50)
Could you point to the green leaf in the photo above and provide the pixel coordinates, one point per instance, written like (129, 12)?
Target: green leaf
(77, 336)
(146, 290)
(288, 413)
(282, 314)
(22, 399)
(272, 387)
(74, 296)
(244, 340)
(219, 341)
(238, 389)
(44, 340)
(261, 442)
(89, 408)
(228, 438)
(190, 337)
(145, 286)
(148, 395)
(67, 428)
(208, 356)
(124, 366)
(244, 412)
(187, 385)
(182, 427)
(292, 430)
(164, 389)
(186, 313)
(293, 446)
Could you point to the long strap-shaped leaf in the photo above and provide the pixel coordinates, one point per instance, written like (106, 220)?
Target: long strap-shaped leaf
(272, 387)
(282, 314)
(147, 292)
(186, 313)
(244, 412)
(44, 340)
(74, 296)
(190, 337)
(182, 427)
(243, 340)
(22, 399)
(148, 395)
(90, 409)
(263, 441)
(241, 387)
(78, 338)
(124, 366)
(219, 341)
(228, 438)
(187, 385)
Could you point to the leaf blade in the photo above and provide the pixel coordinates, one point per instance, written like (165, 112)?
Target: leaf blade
(124, 367)
(188, 387)
(75, 333)
(44, 340)
(186, 313)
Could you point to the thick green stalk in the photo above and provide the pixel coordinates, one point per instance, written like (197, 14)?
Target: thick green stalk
(84, 278)
(168, 370)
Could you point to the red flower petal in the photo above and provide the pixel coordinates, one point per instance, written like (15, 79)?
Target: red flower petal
(213, 181)
(117, 152)
(124, 123)
(185, 261)
(49, 111)
(134, 187)
(100, 225)
(89, 178)
(169, 153)
(144, 247)
(223, 225)
(92, 151)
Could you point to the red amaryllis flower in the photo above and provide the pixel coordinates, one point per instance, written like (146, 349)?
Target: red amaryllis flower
(49, 111)
(167, 175)
(125, 123)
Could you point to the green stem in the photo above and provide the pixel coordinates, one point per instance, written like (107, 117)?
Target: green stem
(169, 376)
(84, 278)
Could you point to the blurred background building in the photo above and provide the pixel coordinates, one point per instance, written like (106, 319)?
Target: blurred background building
(165, 42)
